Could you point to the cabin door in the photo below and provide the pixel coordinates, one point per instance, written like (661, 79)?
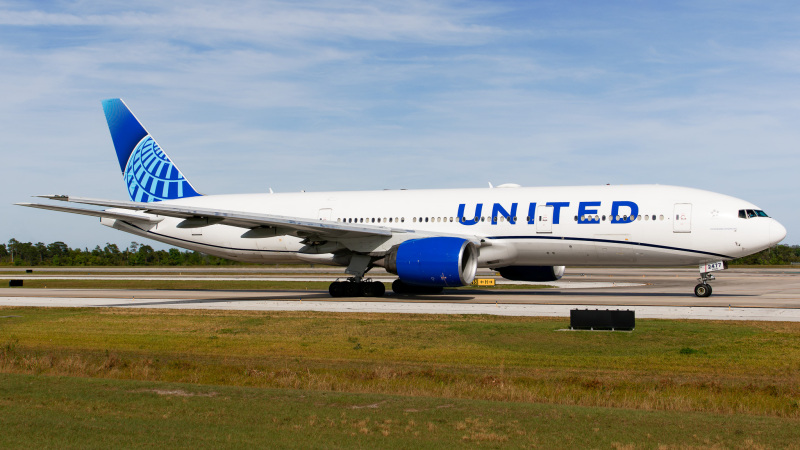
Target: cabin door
(682, 216)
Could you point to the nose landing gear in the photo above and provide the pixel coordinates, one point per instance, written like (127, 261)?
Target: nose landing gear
(704, 289)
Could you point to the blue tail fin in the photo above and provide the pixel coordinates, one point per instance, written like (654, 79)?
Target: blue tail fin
(149, 173)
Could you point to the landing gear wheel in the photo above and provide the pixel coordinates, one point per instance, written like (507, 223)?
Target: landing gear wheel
(372, 289)
(380, 289)
(336, 289)
(356, 289)
(702, 290)
(352, 289)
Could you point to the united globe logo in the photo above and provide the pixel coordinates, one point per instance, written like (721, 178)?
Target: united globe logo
(151, 176)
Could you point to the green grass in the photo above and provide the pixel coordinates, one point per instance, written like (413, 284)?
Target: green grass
(509, 381)
(68, 412)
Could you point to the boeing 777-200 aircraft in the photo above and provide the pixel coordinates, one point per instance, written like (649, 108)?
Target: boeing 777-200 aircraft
(429, 238)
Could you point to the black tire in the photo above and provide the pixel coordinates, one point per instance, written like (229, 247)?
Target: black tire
(399, 288)
(336, 289)
(379, 289)
(702, 290)
(351, 289)
(366, 289)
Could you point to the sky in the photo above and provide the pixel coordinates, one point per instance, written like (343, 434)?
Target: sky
(347, 95)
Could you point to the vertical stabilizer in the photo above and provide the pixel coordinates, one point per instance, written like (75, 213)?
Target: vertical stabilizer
(148, 172)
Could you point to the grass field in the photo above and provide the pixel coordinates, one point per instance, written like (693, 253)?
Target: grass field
(291, 378)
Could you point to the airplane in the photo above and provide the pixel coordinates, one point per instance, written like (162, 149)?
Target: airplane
(430, 239)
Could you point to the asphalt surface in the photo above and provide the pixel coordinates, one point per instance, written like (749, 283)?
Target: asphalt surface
(739, 294)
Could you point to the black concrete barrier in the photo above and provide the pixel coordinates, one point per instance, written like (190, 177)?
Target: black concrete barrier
(14, 283)
(602, 319)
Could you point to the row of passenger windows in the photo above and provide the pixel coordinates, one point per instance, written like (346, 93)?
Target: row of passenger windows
(595, 218)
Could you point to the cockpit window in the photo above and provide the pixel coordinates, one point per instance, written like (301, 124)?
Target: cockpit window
(750, 213)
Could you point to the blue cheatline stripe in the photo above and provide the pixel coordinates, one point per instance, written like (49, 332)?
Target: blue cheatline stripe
(610, 241)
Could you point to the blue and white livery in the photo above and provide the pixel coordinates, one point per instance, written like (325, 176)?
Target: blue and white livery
(148, 172)
(429, 238)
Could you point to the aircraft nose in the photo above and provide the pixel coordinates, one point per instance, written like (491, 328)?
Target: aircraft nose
(776, 232)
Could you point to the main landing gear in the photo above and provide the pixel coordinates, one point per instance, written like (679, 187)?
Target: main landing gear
(356, 286)
(353, 288)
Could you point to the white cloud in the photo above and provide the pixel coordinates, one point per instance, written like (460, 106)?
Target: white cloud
(420, 94)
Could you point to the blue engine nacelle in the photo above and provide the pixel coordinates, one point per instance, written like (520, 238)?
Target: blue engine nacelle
(435, 261)
(531, 273)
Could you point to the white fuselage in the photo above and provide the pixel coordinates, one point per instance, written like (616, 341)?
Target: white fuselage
(648, 225)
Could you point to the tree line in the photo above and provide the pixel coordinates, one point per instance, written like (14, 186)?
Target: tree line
(60, 254)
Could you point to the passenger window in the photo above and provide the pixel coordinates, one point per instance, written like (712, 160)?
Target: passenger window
(654, 217)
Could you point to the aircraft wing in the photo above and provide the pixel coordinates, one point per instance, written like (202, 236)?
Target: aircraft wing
(130, 217)
(197, 216)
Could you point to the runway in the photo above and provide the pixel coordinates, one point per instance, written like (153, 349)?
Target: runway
(739, 294)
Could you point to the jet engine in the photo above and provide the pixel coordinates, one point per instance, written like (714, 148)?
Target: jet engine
(435, 261)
